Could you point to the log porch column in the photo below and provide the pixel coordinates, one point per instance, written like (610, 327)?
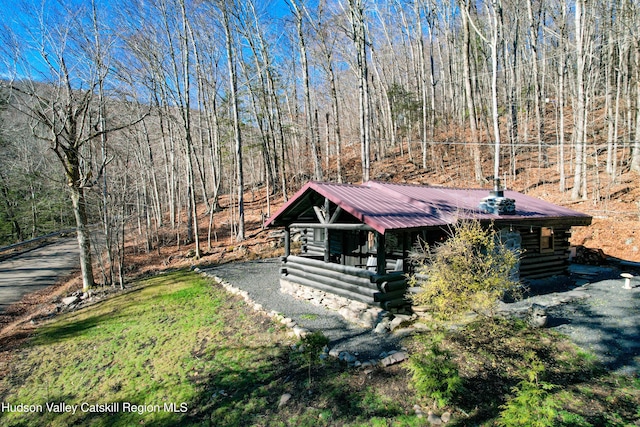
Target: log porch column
(381, 255)
(287, 241)
(327, 243)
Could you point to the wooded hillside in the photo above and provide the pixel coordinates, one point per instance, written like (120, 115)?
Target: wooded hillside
(143, 110)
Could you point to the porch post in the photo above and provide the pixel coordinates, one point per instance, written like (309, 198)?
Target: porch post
(287, 241)
(381, 255)
(327, 245)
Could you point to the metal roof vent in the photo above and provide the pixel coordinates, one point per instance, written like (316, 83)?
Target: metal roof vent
(496, 203)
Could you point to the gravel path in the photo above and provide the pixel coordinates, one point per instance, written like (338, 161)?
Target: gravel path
(607, 323)
(261, 280)
(601, 317)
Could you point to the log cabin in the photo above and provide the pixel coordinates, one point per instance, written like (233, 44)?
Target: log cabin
(356, 239)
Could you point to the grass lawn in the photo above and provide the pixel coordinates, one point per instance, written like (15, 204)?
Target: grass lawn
(178, 350)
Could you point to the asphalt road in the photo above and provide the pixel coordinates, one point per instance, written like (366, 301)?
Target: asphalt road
(36, 269)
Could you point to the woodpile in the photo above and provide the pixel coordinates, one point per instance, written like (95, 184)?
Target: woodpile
(589, 256)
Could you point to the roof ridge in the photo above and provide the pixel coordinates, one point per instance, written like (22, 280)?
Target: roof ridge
(443, 187)
(399, 196)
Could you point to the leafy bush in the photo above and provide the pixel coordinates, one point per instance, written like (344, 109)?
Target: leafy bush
(311, 345)
(470, 271)
(434, 374)
(532, 404)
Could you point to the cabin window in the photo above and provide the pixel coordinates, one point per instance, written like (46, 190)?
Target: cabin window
(318, 234)
(546, 240)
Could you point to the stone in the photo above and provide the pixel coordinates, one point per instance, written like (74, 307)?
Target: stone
(433, 419)
(291, 324)
(445, 417)
(368, 319)
(284, 399)
(70, 300)
(300, 332)
(381, 328)
(395, 323)
(345, 312)
(345, 356)
(404, 332)
(394, 358)
(358, 306)
(538, 316)
(420, 309)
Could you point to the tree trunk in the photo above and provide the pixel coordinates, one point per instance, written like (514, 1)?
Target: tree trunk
(468, 86)
(580, 111)
(233, 87)
(84, 237)
(359, 38)
(635, 156)
(310, 133)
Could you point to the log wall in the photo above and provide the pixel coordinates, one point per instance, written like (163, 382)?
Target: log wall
(535, 264)
(388, 290)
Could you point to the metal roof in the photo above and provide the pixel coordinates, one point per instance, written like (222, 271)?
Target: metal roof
(388, 206)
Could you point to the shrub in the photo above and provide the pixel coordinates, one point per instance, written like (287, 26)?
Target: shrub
(470, 271)
(532, 404)
(311, 346)
(434, 374)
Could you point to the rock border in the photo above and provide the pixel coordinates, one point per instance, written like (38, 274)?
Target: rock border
(387, 322)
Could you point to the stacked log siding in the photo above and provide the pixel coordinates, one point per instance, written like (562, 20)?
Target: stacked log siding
(350, 282)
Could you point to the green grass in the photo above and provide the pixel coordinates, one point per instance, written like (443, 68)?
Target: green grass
(175, 343)
(179, 342)
(167, 342)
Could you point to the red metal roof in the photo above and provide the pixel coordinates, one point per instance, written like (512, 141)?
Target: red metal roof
(387, 206)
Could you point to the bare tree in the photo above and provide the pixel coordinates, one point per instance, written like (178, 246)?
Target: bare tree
(580, 133)
(233, 89)
(356, 16)
(299, 11)
(469, 91)
(66, 110)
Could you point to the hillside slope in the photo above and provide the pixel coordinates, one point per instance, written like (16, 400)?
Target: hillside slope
(614, 204)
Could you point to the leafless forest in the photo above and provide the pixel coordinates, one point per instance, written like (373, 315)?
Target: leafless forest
(137, 113)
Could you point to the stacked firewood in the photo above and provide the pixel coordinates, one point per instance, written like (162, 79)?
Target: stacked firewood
(589, 256)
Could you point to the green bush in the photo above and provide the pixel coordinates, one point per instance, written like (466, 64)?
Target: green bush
(532, 404)
(434, 374)
(470, 271)
(311, 345)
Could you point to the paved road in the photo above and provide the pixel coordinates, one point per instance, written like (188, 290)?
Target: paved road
(36, 269)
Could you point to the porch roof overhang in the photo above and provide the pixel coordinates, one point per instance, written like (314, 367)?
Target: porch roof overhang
(385, 206)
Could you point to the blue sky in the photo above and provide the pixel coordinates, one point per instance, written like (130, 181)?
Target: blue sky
(20, 15)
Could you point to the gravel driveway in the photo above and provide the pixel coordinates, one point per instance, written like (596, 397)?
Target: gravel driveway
(601, 316)
(607, 323)
(261, 279)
